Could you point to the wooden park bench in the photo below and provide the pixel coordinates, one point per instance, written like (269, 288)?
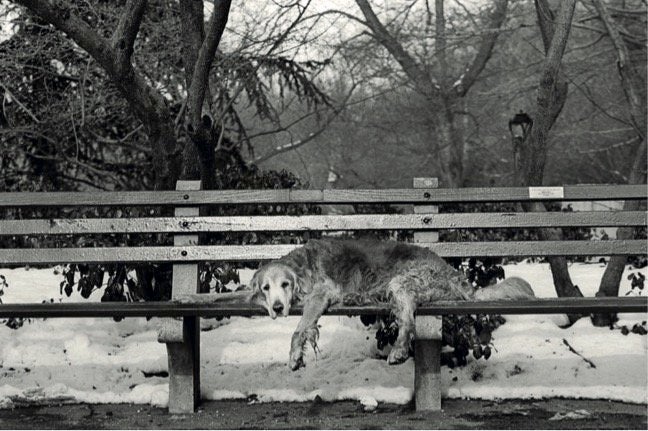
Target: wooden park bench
(185, 254)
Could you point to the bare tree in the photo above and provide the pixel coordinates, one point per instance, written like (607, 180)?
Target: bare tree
(635, 94)
(443, 92)
(552, 94)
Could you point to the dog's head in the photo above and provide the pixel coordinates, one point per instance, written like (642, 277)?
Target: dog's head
(274, 286)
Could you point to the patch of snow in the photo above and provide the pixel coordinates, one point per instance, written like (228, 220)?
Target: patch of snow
(102, 361)
(7, 27)
(369, 403)
(576, 414)
(223, 394)
(57, 65)
(286, 395)
(374, 394)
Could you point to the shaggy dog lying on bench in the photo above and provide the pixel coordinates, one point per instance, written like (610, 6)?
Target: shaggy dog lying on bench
(327, 272)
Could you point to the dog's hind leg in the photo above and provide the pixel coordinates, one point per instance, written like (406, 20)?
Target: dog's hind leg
(403, 302)
(315, 305)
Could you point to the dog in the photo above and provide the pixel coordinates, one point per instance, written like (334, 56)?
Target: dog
(327, 272)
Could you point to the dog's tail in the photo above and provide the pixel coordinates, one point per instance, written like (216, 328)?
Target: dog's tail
(509, 288)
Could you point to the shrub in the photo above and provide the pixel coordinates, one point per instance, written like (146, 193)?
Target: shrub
(463, 333)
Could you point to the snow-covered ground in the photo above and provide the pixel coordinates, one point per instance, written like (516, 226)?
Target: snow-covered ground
(102, 361)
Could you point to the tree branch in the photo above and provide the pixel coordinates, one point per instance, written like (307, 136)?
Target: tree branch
(132, 85)
(295, 144)
(192, 33)
(546, 21)
(485, 49)
(546, 99)
(146, 102)
(336, 12)
(77, 29)
(631, 82)
(627, 37)
(123, 38)
(200, 76)
(290, 28)
(441, 42)
(23, 107)
(558, 43)
(382, 35)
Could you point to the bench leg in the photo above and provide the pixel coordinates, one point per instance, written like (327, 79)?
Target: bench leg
(184, 368)
(427, 342)
(184, 354)
(427, 363)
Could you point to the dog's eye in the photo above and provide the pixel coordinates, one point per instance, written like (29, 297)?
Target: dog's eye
(266, 287)
(285, 285)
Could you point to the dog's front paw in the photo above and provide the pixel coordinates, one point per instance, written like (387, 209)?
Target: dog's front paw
(398, 355)
(296, 361)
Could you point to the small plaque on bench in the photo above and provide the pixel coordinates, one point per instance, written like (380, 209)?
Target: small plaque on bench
(546, 192)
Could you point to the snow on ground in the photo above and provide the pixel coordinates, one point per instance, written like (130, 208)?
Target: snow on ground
(102, 361)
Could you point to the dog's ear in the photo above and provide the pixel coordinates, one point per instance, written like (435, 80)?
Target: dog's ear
(257, 298)
(301, 283)
(290, 273)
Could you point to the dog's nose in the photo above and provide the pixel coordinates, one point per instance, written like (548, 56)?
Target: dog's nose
(278, 307)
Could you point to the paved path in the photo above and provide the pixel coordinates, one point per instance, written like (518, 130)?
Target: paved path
(581, 414)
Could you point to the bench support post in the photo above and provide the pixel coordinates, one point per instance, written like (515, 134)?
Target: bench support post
(427, 363)
(184, 357)
(427, 343)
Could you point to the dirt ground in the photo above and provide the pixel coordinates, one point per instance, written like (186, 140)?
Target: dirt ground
(456, 414)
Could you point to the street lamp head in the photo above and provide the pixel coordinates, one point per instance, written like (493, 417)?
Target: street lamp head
(520, 125)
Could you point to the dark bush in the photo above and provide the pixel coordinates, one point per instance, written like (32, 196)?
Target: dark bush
(464, 333)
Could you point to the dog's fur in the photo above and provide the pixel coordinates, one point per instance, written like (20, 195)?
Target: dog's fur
(327, 272)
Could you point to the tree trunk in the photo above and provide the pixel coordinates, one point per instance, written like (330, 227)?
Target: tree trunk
(614, 270)
(451, 144)
(199, 156)
(552, 94)
(635, 95)
(151, 109)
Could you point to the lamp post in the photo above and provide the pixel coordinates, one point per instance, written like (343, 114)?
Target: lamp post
(519, 126)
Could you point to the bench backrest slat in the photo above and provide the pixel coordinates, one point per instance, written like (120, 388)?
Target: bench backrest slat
(266, 252)
(420, 196)
(322, 223)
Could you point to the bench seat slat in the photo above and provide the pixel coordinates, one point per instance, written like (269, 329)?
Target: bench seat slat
(322, 223)
(265, 252)
(169, 309)
(202, 197)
